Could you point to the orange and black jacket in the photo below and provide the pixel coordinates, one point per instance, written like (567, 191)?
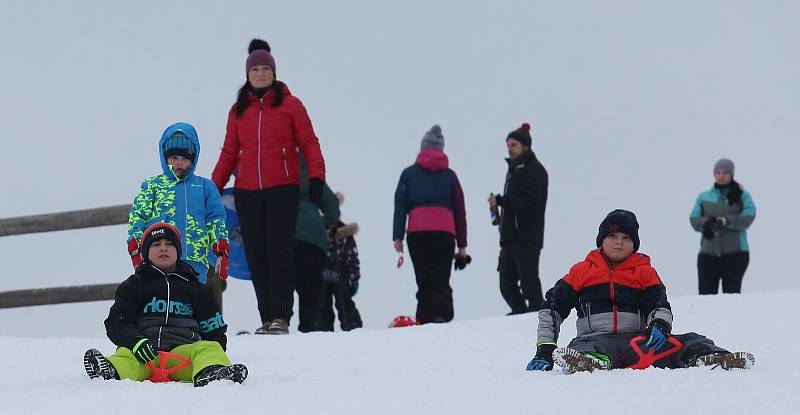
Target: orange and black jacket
(624, 299)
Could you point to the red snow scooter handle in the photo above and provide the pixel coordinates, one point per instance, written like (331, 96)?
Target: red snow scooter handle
(161, 373)
(647, 359)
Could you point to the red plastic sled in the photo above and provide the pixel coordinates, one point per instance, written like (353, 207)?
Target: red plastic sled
(403, 321)
(647, 359)
(161, 373)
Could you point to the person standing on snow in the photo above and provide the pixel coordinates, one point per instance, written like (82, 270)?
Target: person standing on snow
(183, 199)
(266, 127)
(310, 246)
(522, 205)
(723, 214)
(430, 195)
(340, 279)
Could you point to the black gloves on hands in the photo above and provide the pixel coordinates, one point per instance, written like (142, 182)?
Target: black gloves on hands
(498, 199)
(315, 187)
(711, 227)
(544, 357)
(657, 333)
(145, 350)
(461, 262)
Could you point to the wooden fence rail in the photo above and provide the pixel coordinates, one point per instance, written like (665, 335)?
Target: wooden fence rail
(57, 295)
(76, 219)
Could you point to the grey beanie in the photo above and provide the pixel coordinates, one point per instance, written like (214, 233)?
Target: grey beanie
(433, 139)
(725, 165)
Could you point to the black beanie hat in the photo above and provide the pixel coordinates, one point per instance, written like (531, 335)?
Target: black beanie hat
(619, 220)
(522, 134)
(157, 232)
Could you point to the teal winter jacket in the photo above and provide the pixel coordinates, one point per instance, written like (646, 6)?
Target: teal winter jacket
(311, 225)
(732, 237)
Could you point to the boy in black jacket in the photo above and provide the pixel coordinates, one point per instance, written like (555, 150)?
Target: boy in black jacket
(164, 307)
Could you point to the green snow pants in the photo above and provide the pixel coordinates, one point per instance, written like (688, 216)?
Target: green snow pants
(201, 354)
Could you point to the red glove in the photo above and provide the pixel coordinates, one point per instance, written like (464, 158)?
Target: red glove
(222, 250)
(134, 252)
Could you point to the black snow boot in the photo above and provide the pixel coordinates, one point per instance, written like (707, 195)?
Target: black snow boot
(97, 366)
(236, 373)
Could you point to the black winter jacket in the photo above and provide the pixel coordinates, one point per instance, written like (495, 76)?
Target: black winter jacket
(523, 201)
(169, 308)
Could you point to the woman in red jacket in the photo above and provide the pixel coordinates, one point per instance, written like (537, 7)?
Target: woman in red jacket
(267, 126)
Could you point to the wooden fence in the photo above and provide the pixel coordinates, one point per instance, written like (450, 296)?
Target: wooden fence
(76, 219)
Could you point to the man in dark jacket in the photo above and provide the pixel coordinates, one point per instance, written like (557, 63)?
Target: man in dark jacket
(521, 223)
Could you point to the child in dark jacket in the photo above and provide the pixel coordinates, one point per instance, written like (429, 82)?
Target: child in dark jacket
(619, 296)
(163, 307)
(340, 278)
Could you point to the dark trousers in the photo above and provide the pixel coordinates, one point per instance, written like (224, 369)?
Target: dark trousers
(349, 317)
(617, 348)
(308, 260)
(432, 255)
(518, 266)
(268, 218)
(728, 268)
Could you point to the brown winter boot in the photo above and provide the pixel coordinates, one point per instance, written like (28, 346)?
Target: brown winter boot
(278, 326)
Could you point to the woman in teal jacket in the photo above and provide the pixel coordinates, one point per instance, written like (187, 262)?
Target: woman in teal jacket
(723, 214)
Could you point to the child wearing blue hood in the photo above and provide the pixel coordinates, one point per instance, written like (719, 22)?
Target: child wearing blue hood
(180, 198)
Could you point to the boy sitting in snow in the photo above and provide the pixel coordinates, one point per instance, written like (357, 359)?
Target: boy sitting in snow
(183, 199)
(618, 296)
(163, 306)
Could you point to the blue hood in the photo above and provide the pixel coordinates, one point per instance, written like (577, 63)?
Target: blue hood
(190, 132)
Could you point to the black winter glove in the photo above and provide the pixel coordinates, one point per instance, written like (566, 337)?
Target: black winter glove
(544, 357)
(498, 199)
(315, 187)
(657, 333)
(461, 262)
(711, 228)
(145, 350)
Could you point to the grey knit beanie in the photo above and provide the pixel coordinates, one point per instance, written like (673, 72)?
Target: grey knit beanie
(725, 165)
(433, 139)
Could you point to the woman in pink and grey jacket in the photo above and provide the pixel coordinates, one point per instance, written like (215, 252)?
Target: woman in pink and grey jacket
(430, 196)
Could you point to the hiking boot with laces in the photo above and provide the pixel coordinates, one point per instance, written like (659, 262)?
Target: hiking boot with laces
(97, 366)
(727, 361)
(236, 373)
(573, 361)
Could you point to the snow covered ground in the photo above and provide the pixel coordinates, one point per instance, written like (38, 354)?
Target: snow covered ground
(641, 94)
(467, 367)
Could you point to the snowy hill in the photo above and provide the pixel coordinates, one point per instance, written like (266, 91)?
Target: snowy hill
(642, 95)
(470, 367)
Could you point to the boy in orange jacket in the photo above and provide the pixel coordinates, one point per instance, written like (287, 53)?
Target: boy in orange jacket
(618, 296)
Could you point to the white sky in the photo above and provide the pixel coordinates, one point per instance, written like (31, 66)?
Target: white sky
(631, 103)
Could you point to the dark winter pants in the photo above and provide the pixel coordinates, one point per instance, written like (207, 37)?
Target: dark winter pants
(308, 261)
(268, 218)
(349, 317)
(617, 347)
(432, 256)
(519, 276)
(728, 268)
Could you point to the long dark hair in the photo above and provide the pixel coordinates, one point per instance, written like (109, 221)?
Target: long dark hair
(242, 98)
(734, 194)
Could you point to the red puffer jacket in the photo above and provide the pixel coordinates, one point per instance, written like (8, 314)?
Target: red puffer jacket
(261, 145)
